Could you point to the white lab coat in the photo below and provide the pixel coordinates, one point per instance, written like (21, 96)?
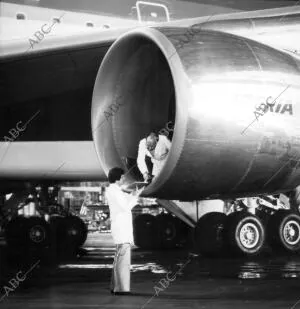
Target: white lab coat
(120, 204)
(158, 157)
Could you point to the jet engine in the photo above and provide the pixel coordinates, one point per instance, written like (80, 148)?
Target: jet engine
(234, 102)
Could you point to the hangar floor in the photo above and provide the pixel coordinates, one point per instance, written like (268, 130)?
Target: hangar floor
(262, 282)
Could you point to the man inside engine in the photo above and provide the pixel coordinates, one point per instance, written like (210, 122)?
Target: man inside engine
(157, 147)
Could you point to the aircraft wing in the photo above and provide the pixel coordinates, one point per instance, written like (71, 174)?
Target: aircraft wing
(275, 27)
(266, 26)
(44, 64)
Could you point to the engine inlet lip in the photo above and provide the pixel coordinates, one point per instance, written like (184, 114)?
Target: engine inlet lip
(181, 85)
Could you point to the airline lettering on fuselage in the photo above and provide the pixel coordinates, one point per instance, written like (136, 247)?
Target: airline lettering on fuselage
(281, 109)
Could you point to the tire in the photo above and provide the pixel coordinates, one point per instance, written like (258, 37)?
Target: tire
(28, 232)
(69, 230)
(245, 234)
(168, 231)
(15, 232)
(209, 234)
(185, 234)
(68, 234)
(145, 232)
(57, 232)
(38, 232)
(284, 231)
(75, 231)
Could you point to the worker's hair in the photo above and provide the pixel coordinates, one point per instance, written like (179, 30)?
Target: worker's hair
(153, 133)
(115, 174)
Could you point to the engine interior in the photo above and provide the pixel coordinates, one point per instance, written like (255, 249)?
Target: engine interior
(139, 97)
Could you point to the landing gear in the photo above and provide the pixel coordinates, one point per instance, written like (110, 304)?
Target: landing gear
(284, 231)
(295, 200)
(28, 239)
(31, 232)
(27, 233)
(15, 231)
(168, 228)
(245, 233)
(161, 232)
(68, 234)
(75, 231)
(241, 232)
(38, 232)
(209, 234)
(145, 232)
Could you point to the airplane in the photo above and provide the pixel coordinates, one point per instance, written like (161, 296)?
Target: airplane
(77, 103)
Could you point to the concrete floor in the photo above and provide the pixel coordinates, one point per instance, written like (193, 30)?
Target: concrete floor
(262, 282)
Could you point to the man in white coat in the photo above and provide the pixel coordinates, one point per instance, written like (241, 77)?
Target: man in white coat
(157, 147)
(120, 204)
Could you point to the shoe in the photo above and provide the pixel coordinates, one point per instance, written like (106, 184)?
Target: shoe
(121, 293)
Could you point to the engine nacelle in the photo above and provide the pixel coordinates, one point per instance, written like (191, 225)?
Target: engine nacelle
(209, 83)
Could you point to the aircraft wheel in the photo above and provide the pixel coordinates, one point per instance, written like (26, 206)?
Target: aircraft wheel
(209, 234)
(15, 232)
(38, 232)
(185, 234)
(168, 231)
(145, 231)
(68, 234)
(75, 231)
(284, 231)
(245, 233)
(57, 232)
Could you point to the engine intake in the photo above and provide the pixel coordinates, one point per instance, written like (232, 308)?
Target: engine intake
(209, 84)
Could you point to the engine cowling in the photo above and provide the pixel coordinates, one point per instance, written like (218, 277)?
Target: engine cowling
(209, 83)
